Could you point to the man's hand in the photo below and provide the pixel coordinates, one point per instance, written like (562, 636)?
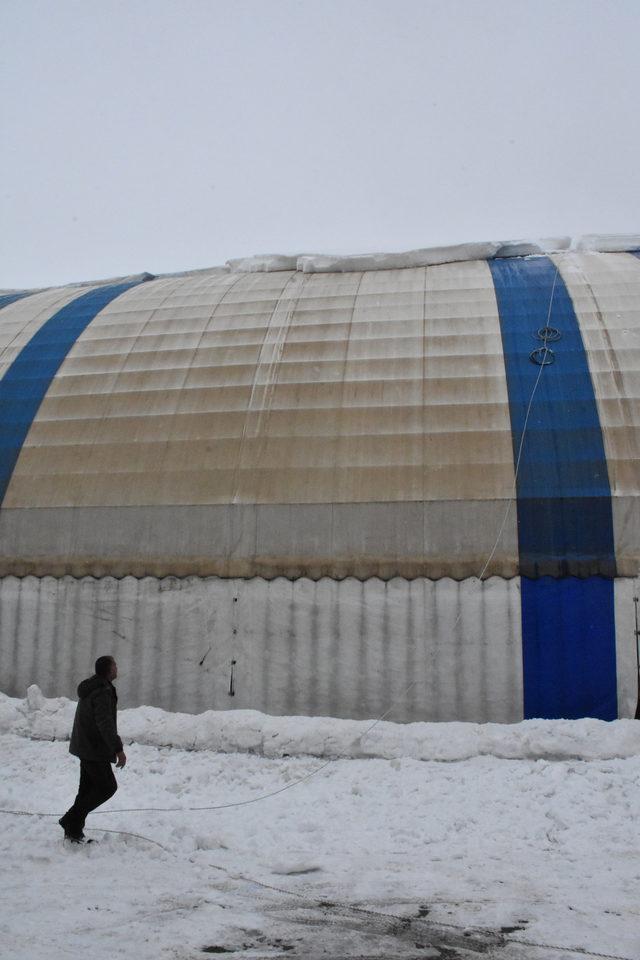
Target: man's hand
(121, 759)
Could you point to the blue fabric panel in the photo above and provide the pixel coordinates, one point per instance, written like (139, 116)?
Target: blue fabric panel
(568, 625)
(547, 536)
(565, 522)
(7, 298)
(563, 456)
(25, 383)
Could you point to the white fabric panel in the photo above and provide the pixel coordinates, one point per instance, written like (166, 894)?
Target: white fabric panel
(605, 290)
(627, 645)
(324, 648)
(606, 295)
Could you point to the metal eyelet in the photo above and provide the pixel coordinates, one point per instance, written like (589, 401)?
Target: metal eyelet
(543, 356)
(548, 334)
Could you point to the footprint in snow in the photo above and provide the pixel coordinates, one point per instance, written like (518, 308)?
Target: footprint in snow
(294, 867)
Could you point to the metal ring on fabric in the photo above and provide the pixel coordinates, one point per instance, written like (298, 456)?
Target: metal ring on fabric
(549, 334)
(543, 356)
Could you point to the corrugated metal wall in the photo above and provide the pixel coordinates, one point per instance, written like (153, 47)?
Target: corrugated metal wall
(325, 648)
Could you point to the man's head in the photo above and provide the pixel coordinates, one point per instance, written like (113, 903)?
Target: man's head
(107, 668)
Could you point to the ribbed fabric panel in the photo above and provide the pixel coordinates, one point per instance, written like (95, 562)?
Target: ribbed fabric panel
(24, 384)
(605, 291)
(325, 648)
(352, 424)
(294, 424)
(280, 388)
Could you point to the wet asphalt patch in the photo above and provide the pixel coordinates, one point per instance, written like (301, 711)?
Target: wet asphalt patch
(331, 931)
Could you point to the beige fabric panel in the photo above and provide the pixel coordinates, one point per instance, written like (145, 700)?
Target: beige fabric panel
(285, 461)
(467, 428)
(387, 386)
(279, 388)
(605, 290)
(109, 431)
(21, 320)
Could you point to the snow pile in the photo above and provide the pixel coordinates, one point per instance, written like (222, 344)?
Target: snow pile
(424, 257)
(608, 242)
(529, 248)
(430, 256)
(248, 731)
(393, 261)
(142, 277)
(427, 256)
(263, 263)
(37, 716)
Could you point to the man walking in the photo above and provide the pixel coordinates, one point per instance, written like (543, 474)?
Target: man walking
(95, 741)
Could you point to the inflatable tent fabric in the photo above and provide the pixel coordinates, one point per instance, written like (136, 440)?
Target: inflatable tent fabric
(278, 489)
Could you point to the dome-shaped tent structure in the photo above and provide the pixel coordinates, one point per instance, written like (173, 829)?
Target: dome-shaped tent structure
(279, 488)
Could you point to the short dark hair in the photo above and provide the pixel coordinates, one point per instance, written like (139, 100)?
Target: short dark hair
(102, 666)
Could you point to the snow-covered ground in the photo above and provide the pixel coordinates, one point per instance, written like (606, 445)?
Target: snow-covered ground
(532, 836)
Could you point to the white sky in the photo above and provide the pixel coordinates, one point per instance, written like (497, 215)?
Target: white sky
(164, 135)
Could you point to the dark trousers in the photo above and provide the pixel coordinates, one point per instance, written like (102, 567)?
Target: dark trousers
(97, 784)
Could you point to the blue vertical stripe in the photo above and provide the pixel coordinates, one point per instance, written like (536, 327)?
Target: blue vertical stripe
(568, 648)
(7, 298)
(25, 383)
(563, 474)
(565, 522)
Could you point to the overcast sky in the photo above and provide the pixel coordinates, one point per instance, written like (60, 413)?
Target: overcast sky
(164, 135)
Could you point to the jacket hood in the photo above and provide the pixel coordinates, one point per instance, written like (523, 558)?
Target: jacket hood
(86, 687)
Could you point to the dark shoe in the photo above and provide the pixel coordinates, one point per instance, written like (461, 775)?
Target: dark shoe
(75, 835)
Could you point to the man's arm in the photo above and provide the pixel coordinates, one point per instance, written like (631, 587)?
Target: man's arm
(103, 715)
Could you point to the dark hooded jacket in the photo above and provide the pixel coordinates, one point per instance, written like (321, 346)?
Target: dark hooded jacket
(95, 730)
